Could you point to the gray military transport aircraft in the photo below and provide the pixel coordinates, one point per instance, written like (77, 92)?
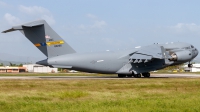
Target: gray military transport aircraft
(126, 63)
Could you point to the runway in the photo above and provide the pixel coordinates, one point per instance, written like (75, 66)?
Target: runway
(100, 77)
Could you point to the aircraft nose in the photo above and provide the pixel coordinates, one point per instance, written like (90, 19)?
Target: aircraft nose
(197, 52)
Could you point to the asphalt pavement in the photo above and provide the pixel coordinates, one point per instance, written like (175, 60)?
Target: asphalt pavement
(101, 77)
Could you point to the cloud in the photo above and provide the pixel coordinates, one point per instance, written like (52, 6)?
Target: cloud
(33, 10)
(49, 19)
(3, 4)
(96, 23)
(39, 12)
(185, 29)
(12, 20)
(95, 27)
(91, 16)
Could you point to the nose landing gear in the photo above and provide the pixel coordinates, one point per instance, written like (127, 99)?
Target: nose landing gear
(190, 65)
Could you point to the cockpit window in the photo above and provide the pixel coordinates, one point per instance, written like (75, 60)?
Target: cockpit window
(187, 48)
(192, 46)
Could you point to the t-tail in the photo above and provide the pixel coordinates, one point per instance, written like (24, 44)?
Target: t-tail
(44, 38)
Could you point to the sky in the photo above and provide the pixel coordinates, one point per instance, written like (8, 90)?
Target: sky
(100, 25)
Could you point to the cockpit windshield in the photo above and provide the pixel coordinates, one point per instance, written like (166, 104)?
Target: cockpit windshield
(187, 48)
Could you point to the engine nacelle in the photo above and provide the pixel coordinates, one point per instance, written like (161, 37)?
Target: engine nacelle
(181, 56)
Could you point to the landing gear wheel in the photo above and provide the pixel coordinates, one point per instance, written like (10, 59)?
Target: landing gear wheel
(121, 75)
(146, 74)
(129, 75)
(138, 75)
(190, 65)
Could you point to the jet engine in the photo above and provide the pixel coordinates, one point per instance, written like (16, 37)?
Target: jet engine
(181, 56)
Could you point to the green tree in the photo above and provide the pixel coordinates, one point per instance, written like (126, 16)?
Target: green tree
(11, 64)
(1, 64)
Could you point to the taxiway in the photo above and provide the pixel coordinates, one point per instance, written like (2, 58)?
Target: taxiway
(100, 77)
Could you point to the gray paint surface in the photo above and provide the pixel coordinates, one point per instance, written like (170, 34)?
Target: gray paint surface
(133, 61)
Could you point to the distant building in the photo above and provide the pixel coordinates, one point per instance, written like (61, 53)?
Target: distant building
(73, 71)
(8, 69)
(195, 68)
(35, 68)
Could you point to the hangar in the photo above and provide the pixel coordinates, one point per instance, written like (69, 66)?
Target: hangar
(8, 69)
(194, 68)
(35, 68)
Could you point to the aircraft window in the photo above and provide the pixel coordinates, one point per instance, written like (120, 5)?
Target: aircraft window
(192, 46)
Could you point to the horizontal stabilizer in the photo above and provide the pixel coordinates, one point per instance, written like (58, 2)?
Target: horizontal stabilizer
(13, 29)
(30, 24)
(9, 30)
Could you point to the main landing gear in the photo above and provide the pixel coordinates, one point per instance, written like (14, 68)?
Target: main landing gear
(121, 75)
(146, 74)
(134, 75)
(137, 75)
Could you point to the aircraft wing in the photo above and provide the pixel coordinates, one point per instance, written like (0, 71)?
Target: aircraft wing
(146, 54)
(151, 50)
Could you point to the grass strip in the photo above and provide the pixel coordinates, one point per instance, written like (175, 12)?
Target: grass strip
(144, 95)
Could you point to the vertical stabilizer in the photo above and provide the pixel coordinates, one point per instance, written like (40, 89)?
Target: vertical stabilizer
(44, 38)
